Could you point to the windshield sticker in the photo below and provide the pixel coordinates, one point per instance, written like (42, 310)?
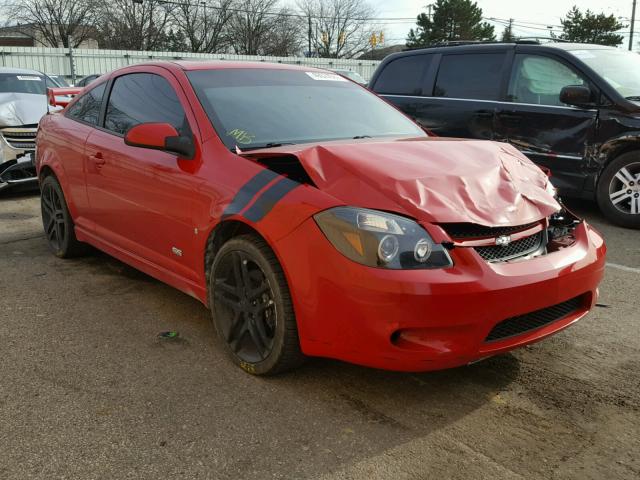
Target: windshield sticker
(583, 54)
(243, 137)
(33, 79)
(326, 76)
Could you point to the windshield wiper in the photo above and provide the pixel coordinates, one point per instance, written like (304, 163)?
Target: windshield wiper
(358, 137)
(266, 145)
(633, 98)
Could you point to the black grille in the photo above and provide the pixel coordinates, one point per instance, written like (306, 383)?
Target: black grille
(517, 248)
(471, 230)
(20, 138)
(530, 321)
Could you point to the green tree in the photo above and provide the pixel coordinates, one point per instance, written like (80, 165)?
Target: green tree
(452, 20)
(507, 34)
(588, 27)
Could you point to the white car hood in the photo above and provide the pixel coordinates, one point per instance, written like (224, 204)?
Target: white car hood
(17, 109)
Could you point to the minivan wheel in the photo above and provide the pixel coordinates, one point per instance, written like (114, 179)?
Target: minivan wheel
(57, 222)
(252, 309)
(619, 190)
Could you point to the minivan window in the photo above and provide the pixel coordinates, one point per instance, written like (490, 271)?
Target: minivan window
(403, 76)
(143, 98)
(87, 107)
(619, 68)
(474, 76)
(538, 80)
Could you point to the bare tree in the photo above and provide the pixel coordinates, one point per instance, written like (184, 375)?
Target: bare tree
(258, 27)
(128, 25)
(339, 28)
(286, 37)
(53, 22)
(204, 24)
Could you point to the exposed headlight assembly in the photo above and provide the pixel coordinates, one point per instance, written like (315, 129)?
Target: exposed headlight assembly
(380, 239)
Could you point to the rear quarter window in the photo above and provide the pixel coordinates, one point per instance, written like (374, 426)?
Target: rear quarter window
(403, 76)
(471, 76)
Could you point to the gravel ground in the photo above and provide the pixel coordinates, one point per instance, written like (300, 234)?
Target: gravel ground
(89, 391)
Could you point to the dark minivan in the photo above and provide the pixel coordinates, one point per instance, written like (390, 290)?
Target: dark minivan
(573, 108)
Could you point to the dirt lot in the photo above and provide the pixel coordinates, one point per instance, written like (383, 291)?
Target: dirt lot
(88, 391)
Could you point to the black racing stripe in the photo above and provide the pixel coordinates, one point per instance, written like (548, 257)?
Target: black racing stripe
(248, 191)
(268, 199)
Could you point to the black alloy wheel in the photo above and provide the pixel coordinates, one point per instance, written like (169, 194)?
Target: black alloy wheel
(251, 307)
(57, 222)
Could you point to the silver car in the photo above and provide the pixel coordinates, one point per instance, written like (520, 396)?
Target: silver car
(23, 102)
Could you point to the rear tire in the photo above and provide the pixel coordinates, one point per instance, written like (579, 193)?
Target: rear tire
(252, 309)
(618, 192)
(57, 222)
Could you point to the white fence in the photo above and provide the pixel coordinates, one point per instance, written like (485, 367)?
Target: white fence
(57, 61)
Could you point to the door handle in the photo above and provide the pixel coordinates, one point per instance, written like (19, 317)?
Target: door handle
(97, 159)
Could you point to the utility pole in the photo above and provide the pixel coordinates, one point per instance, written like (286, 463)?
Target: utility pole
(72, 66)
(633, 21)
(309, 35)
(429, 7)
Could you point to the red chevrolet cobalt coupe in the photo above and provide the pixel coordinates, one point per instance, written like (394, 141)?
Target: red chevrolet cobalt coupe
(313, 218)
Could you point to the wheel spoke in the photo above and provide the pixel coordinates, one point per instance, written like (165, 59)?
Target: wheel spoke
(257, 292)
(224, 286)
(50, 227)
(235, 326)
(233, 304)
(625, 176)
(620, 195)
(635, 206)
(257, 338)
(237, 332)
(237, 270)
(46, 202)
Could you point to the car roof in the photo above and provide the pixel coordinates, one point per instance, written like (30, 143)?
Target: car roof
(499, 45)
(190, 65)
(19, 71)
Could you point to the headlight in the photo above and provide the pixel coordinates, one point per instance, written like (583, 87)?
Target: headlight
(379, 239)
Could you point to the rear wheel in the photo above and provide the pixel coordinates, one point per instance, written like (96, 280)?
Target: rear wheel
(251, 307)
(57, 222)
(619, 190)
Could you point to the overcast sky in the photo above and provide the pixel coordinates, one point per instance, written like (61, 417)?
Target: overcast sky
(530, 17)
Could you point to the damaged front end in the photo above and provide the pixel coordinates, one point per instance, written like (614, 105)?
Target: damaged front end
(17, 155)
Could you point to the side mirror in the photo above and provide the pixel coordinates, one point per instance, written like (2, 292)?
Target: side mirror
(160, 136)
(576, 95)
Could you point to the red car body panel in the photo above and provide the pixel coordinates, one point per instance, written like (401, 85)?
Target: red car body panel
(142, 205)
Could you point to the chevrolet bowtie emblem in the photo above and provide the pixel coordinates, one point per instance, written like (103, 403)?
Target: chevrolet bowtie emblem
(503, 240)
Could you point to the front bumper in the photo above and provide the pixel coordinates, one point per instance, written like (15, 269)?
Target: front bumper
(17, 165)
(430, 319)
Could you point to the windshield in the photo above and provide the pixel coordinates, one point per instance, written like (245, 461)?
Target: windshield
(252, 108)
(22, 83)
(620, 68)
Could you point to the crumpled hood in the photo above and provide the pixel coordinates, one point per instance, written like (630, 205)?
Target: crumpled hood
(18, 109)
(433, 179)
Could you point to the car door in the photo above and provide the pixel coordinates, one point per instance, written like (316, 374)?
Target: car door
(69, 138)
(534, 120)
(141, 198)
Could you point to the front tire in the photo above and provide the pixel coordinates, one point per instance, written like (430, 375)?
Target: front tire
(618, 191)
(252, 309)
(57, 222)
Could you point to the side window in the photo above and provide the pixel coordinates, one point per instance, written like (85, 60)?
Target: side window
(142, 98)
(403, 76)
(538, 80)
(87, 107)
(474, 76)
